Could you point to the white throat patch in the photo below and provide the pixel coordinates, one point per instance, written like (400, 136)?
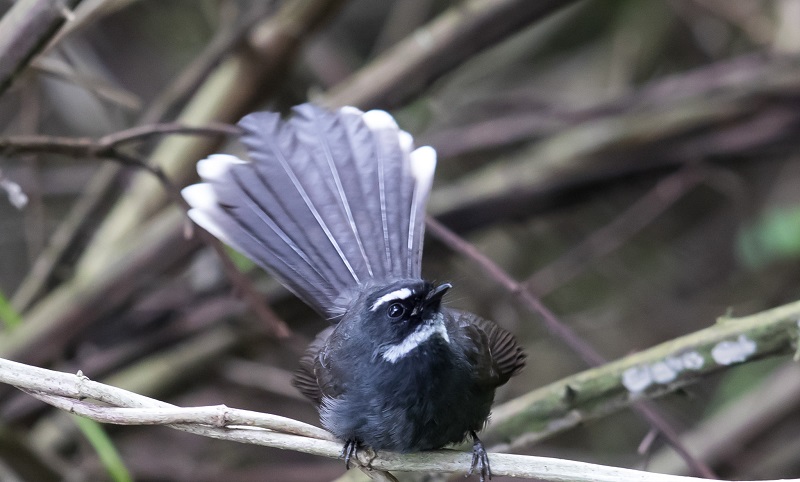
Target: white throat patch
(416, 338)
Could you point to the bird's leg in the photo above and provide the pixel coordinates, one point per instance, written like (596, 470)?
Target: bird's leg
(480, 459)
(349, 450)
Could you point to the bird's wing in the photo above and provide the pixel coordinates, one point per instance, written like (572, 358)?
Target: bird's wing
(327, 202)
(305, 378)
(493, 351)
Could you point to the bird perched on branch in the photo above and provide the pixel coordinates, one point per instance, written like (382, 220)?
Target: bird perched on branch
(333, 205)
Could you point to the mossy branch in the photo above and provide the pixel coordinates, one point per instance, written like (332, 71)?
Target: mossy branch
(650, 373)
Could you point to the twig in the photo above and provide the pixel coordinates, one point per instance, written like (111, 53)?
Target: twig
(562, 331)
(215, 416)
(71, 391)
(106, 146)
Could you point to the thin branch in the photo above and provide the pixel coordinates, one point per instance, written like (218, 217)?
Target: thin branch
(105, 146)
(70, 392)
(215, 416)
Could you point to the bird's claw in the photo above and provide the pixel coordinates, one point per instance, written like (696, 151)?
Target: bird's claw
(480, 460)
(348, 451)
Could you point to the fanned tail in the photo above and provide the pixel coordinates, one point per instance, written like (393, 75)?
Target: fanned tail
(328, 202)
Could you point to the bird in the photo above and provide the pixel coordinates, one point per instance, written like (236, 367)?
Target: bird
(332, 204)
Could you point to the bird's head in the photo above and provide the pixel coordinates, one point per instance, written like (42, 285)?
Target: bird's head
(403, 315)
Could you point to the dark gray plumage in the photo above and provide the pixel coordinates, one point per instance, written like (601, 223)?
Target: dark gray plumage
(333, 205)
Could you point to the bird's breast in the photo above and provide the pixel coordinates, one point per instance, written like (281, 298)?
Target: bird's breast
(424, 400)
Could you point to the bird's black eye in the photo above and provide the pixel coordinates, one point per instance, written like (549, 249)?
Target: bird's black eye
(396, 310)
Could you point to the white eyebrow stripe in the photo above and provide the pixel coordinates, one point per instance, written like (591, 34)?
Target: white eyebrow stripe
(401, 294)
(416, 338)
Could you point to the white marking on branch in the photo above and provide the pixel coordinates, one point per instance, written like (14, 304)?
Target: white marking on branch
(728, 352)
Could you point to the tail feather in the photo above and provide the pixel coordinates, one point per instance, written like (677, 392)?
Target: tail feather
(329, 201)
(364, 156)
(293, 193)
(335, 159)
(393, 186)
(227, 207)
(423, 165)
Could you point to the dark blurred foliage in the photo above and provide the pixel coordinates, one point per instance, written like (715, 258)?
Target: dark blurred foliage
(635, 161)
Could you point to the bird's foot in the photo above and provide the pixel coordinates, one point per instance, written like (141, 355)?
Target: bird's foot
(349, 450)
(480, 460)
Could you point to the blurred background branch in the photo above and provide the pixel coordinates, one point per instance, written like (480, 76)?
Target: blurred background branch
(25, 30)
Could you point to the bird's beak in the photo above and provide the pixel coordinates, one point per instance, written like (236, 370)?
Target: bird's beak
(435, 296)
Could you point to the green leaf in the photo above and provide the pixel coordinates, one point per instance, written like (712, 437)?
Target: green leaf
(775, 236)
(109, 456)
(9, 316)
(241, 261)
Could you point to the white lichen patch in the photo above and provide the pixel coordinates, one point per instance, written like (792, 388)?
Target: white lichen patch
(674, 362)
(692, 360)
(727, 352)
(637, 379)
(662, 372)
